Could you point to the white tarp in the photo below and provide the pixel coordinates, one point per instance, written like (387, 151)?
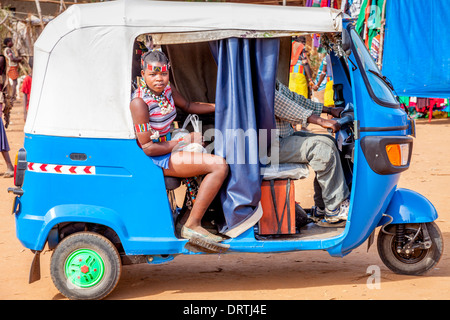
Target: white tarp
(82, 60)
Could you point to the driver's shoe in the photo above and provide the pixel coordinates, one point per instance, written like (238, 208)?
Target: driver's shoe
(338, 214)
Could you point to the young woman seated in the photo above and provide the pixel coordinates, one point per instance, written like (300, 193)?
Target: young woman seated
(153, 110)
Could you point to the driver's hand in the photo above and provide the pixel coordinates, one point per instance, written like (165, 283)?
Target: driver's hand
(331, 124)
(336, 112)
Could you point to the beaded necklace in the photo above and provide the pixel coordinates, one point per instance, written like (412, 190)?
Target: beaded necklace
(164, 104)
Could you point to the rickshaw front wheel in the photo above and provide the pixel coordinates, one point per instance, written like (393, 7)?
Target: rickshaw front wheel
(409, 249)
(85, 265)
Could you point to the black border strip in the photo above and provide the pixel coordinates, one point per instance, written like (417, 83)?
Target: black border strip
(378, 129)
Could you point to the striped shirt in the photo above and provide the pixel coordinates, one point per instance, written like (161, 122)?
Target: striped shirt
(158, 121)
(292, 109)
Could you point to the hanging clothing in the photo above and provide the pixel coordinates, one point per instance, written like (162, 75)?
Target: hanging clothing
(375, 47)
(322, 3)
(327, 83)
(422, 104)
(297, 77)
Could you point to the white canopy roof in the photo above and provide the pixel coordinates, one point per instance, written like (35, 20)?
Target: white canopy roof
(83, 58)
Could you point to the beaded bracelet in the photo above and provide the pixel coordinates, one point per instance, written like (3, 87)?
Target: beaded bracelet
(144, 127)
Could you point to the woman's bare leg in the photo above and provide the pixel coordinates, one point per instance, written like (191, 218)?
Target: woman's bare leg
(191, 164)
(9, 165)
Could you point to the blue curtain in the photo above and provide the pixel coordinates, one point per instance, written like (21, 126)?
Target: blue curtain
(417, 48)
(244, 104)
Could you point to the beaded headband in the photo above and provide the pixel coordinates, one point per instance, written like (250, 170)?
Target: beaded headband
(146, 65)
(157, 69)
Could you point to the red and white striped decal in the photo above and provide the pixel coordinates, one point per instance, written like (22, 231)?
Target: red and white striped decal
(57, 168)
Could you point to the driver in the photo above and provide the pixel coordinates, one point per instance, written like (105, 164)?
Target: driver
(317, 150)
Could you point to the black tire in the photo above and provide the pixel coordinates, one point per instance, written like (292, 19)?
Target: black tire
(97, 277)
(420, 260)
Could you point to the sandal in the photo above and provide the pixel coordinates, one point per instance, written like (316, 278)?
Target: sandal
(196, 244)
(188, 233)
(203, 243)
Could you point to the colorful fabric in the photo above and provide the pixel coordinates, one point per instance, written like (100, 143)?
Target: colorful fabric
(297, 78)
(328, 97)
(375, 47)
(141, 48)
(298, 58)
(322, 3)
(292, 109)
(298, 84)
(160, 119)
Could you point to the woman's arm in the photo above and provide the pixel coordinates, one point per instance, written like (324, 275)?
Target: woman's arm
(191, 107)
(139, 113)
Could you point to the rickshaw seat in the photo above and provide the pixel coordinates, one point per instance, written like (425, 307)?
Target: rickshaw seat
(172, 182)
(293, 171)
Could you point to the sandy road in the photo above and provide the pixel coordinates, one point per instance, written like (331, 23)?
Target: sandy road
(299, 275)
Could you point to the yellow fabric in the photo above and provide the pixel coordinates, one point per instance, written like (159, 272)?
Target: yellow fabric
(328, 96)
(298, 84)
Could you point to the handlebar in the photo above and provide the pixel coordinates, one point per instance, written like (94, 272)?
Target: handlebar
(345, 120)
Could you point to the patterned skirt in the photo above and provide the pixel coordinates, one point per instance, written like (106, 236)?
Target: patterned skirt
(162, 161)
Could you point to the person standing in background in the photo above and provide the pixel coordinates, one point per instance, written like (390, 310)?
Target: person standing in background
(300, 70)
(324, 83)
(13, 65)
(4, 146)
(26, 90)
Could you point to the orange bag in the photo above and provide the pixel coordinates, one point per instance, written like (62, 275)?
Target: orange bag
(278, 204)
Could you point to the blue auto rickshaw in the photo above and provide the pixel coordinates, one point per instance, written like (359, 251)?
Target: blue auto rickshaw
(84, 188)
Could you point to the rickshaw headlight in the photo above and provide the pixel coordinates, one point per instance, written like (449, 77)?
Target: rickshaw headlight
(398, 154)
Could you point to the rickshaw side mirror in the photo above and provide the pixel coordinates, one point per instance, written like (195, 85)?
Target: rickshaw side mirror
(346, 42)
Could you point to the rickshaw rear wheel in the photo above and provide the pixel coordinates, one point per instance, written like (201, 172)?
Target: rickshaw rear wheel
(85, 265)
(418, 259)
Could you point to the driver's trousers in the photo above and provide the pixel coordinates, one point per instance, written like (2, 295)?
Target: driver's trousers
(320, 152)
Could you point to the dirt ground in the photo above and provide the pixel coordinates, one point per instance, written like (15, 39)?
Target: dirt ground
(310, 275)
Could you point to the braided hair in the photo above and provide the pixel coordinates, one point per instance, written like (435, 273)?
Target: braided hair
(154, 56)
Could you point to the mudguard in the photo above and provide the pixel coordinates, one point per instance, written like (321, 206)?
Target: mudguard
(408, 206)
(73, 213)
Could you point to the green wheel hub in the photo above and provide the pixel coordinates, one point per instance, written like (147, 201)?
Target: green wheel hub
(84, 268)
